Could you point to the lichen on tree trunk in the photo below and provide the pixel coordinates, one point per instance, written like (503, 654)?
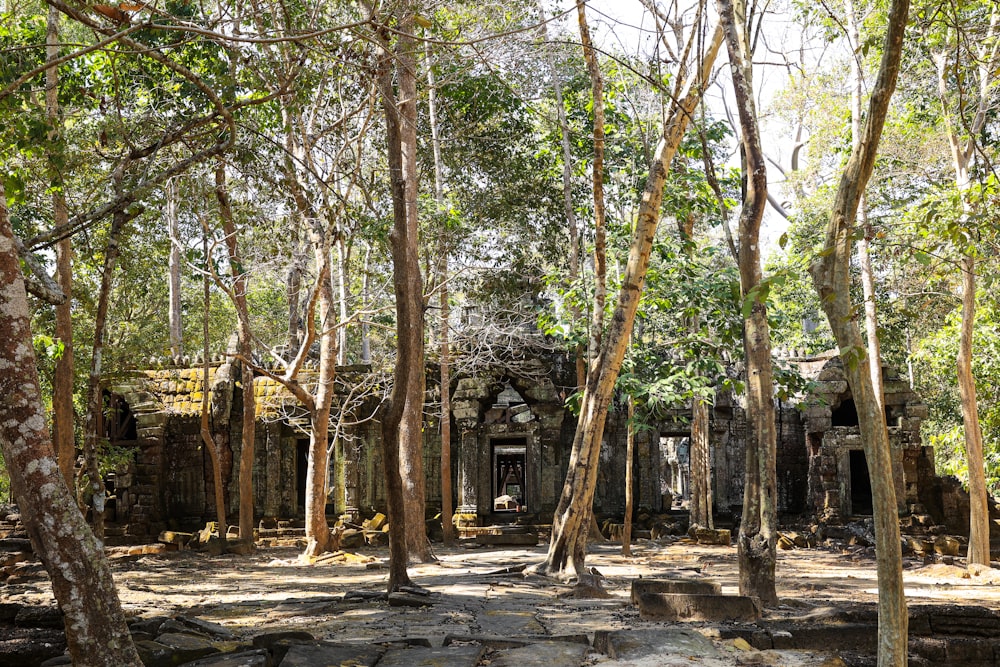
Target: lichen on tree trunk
(81, 579)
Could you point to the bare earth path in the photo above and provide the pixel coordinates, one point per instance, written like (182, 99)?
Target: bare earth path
(272, 590)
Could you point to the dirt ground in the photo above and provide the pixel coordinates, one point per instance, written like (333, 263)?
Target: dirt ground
(273, 589)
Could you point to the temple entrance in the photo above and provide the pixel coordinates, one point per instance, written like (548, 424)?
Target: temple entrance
(301, 468)
(509, 468)
(861, 485)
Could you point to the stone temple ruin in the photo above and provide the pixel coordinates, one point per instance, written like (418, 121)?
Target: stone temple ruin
(511, 439)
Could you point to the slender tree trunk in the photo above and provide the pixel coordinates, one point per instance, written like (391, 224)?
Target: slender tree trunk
(864, 241)
(600, 228)
(366, 341)
(343, 296)
(249, 416)
(174, 269)
(63, 415)
(979, 513)
(565, 556)
(986, 59)
(629, 491)
(758, 529)
(206, 429)
(95, 399)
(572, 225)
(411, 443)
(81, 579)
(447, 507)
(832, 279)
(409, 299)
(318, 533)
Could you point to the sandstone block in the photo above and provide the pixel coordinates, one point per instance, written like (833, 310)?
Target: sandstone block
(694, 607)
(688, 586)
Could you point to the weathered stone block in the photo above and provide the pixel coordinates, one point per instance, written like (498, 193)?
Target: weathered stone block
(917, 410)
(694, 607)
(688, 586)
(720, 536)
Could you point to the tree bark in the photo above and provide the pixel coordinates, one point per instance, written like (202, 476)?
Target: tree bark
(986, 59)
(629, 491)
(565, 556)
(81, 579)
(411, 442)
(758, 534)
(173, 269)
(864, 241)
(447, 506)
(63, 414)
(832, 280)
(572, 225)
(248, 424)
(979, 512)
(409, 298)
(95, 398)
(600, 228)
(206, 430)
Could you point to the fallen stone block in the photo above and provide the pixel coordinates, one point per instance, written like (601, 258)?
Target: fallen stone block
(946, 545)
(719, 536)
(542, 654)
(660, 642)
(399, 599)
(173, 537)
(186, 647)
(689, 586)
(446, 656)
(213, 630)
(695, 607)
(257, 658)
(267, 640)
(328, 653)
(529, 538)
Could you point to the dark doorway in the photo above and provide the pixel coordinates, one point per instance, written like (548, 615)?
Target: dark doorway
(845, 414)
(509, 474)
(861, 484)
(301, 467)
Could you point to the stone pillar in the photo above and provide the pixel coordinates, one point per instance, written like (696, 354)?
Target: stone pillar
(272, 482)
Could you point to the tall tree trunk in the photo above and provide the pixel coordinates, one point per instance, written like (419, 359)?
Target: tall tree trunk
(95, 398)
(245, 341)
(979, 514)
(572, 225)
(986, 60)
(864, 241)
(447, 506)
(629, 490)
(600, 228)
(758, 529)
(565, 556)
(832, 279)
(206, 429)
(174, 269)
(411, 443)
(63, 415)
(81, 579)
(318, 533)
(407, 286)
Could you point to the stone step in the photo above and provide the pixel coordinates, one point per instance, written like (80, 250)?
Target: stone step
(697, 607)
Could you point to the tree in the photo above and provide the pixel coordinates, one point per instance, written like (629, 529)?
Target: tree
(81, 579)
(63, 414)
(567, 553)
(963, 128)
(758, 528)
(832, 280)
